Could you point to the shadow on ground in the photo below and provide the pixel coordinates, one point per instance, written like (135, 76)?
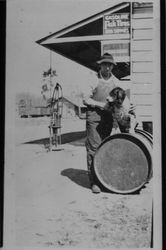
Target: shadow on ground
(74, 138)
(78, 176)
(81, 178)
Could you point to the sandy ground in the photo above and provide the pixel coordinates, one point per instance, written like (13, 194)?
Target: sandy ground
(54, 204)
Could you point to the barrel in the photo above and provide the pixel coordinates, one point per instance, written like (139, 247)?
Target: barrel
(123, 161)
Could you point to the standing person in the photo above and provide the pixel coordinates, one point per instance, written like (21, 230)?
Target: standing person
(99, 122)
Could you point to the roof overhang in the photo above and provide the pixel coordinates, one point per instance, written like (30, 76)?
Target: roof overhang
(81, 42)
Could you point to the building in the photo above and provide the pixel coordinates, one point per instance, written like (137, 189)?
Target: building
(29, 105)
(124, 30)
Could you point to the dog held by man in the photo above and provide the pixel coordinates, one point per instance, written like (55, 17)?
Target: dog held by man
(125, 117)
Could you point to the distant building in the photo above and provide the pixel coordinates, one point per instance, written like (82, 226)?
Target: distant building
(29, 105)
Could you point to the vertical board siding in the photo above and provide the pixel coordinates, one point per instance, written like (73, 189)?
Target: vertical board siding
(143, 34)
(146, 45)
(142, 15)
(142, 78)
(142, 23)
(142, 67)
(143, 99)
(144, 110)
(142, 88)
(145, 118)
(143, 5)
(142, 56)
(143, 11)
(142, 60)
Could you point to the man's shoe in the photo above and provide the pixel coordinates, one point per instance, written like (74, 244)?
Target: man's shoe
(95, 189)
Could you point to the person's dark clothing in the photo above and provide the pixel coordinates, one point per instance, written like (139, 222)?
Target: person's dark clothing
(99, 124)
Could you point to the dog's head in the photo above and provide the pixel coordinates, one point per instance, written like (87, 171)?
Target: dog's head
(117, 96)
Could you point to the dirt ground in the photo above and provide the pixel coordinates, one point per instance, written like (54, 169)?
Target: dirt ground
(54, 204)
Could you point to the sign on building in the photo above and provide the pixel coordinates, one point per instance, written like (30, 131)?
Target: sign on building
(117, 23)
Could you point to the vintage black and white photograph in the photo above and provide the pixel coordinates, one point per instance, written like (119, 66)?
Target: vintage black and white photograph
(82, 125)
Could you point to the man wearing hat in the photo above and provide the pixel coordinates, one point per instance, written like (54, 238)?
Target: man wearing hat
(99, 123)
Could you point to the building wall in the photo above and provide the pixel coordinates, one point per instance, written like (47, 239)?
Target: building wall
(142, 59)
(137, 52)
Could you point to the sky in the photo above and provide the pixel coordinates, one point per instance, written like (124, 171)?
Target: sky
(31, 20)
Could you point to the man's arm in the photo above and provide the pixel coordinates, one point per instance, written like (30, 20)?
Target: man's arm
(90, 102)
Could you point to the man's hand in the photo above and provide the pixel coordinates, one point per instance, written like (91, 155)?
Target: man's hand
(89, 102)
(92, 103)
(132, 109)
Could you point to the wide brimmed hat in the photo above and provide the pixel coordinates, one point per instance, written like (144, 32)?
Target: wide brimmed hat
(107, 58)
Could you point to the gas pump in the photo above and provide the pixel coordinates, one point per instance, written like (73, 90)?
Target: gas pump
(56, 110)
